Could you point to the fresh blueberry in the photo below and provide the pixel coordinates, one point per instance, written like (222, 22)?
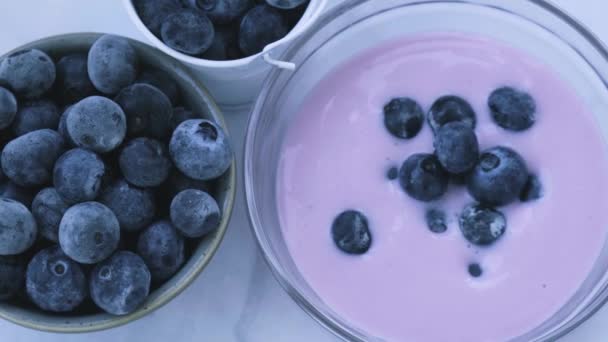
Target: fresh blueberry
(8, 108)
(181, 114)
(48, 209)
(77, 175)
(195, 213)
(261, 26)
(54, 282)
(120, 284)
(162, 81)
(286, 4)
(162, 249)
(403, 117)
(89, 232)
(176, 183)
(17, 193)
(29, 73)
(456, 147)
(499, 177)
(481, 225)
(294, 15)
(392, 173)
(475, 270)
(512, 109)
(225, 45)
(451, 108)
(96, 123)
(147, 109)
(145, 162)
(35, 115)
(423, 178)
(62, 128)
(201, 149)
(112, 64)
(350, 232)
(153, 13)
(17, 227)
(188, 31)
(73, 83)
(224, 11)
(532, 190)
(28, 160)
(12, 276)
(134, 208)
(436, 221)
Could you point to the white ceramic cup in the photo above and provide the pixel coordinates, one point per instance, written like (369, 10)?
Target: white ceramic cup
(235, 82)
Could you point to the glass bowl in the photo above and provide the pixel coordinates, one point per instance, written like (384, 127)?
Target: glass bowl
(535, 26)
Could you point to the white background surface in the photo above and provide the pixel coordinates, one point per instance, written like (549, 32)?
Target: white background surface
(236, 298)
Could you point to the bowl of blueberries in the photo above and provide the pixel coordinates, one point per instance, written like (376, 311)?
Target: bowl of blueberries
(117, 181)
(233, 43)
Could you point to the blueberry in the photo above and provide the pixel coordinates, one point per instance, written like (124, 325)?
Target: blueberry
(12, 276)
(145, 162)
(392, 173)
(48, 209)
(176, 183)
(120, 284)
(201, 149)
(62, 128)
(73, 83)
(77, 176)
(532, 190)
(147, 109)
(8, 108)
(482, 225)
(350, 232)
(96, 123)
(224, 11)
(89, 232)
(112, 64)
(35, 115)
(225, 45)
(451, 108)
(436, 221)
(475, 270)
(286, 4)
(188, 31)
(512, 109)
(163, 81)
(261, 26)
(153, 13)
(17, 193)
(456, 147)
(403, 117)
(181, 114)
(28, 160)
(294, 15)
(423, 178)
(17, 227)
(499, 177)
(162, 249)
(195, 213)
(29, 73)
(134, 208)
(54, 282)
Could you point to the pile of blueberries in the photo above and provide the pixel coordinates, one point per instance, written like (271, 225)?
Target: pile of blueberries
(102, 203)
(494, 178)
(220, 29)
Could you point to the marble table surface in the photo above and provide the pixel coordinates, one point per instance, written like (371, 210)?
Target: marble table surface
(236, 298)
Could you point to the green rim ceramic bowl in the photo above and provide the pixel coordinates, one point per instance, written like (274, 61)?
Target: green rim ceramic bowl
(198, 99)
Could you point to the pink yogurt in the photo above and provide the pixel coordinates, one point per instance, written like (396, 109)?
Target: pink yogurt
(413, 285)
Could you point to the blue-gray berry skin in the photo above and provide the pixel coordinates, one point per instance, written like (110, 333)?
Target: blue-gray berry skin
(223, 11)
(28, 160)
(225, 45)
(482, 225)
(17, 193)
(181, 114)
(162, 249)
(162, 81)
(8, 107)
(176, 183)
(350, 232)
(423, 178)
(35, 115)
(29, 73)
(512, 109)
(73, 83)
(456, 147)
(97, 123)
(18, 228)
(145, 162)
(436, 221)
(153, 13)
(89, 232)
(403, 117)
(121, 284)
(63, 130)
(54, 282)
(78, 175)
(188, 31)
(112, 64)
(48, 209)
(134, 207)
(147, 109)
(451, 108)
(261, 26)
(201, 149)
(195, 213)
(532, 190)
(286, 4)
(12, 276)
